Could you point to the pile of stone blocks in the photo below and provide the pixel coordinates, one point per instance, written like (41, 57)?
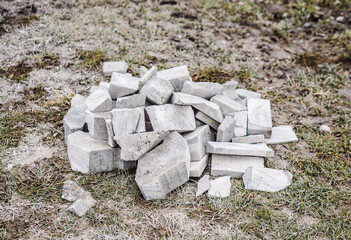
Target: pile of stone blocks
(169, 128)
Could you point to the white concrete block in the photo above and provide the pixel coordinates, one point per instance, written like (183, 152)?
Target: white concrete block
(157, 90)
(184, 99)
(125, 121)
(99, 101)
(71, 191)
(197, 168)
(73, 121)
(202, 89)
(141, 126)
(176, 76)
(220, 187)
(227, 104)
(105, 85)
(203, 185)
(259, 117)
(243, 93)
(96, 124)
(123, 85)
(78, 102)
(110, 135)
(82, 205)
(226, 129)
(133, 101)
(240, 123)
(229, 89)
(249, 139)
(109, 67)
(282, 134)
(149, 74)
(207, 120)
(243, 149)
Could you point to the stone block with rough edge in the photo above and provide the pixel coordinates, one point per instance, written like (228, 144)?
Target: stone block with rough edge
(226, 129)
(243, 149)
(109, 67)
(202, 89)
(96, 124)
(176, 76)
(157, 91)
(220, 187)
(122, 85)
(259, 118)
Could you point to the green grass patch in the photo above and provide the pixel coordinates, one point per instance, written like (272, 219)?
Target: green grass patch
(91, 60)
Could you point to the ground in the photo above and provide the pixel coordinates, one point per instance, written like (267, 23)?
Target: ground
(296, 53)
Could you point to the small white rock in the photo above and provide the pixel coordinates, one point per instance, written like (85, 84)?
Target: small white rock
(324, 129)
(220, 187)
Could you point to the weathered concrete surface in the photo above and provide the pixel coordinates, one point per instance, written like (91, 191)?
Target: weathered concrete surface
(125, 120)
(96, 124)
(197, 168)
(243, 93)
(109, 67)
(176, 76)
(202, 89)
(99, 101)
(229, 89)
(164, 168)
(170, 117)
(233, 166)
(243, 149)
(149, 74)
(133, 146)
(157, 90)
(249, 139)
(141, 126)
(82, 205)
(210, 109)
(203, 185)
(184, 99)
(259, 117)
(123, 85)
(71, 191)
(240, 123)
(110, 135)
(227, 105)
(133, 101)
(220, 187)
(282, 134)
(207, 120)
(266, 179)
(226, 129)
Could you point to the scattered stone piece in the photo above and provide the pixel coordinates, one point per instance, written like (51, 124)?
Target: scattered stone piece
(89, 155)
(210, 109)
(259, 117)
(243, 93)
(78, 102)
(82, 205)
(266, 179)
(207, 120)
(240, 123)
(170, 117)
(151, 73)
(110, 136)
(133, 146)
(125, 120)
(99, 101)
(220, 187)
(176, 76)
(282, 134)
(227, 104)
(184, 99)
(197, 141)
(73, 121)
(96, 124)
(203, 185)
(198, 123)
(141, 126)
(202, 89)
(109, 67)
(122, 85)
(133, 101)
(233, 166)
(249, 139)
(197, 168)
(71, 191)
(340, 19)
(324, 129)
(226, 129)
(229, 89)
(164, 168)
(157, 90)
(244, 149)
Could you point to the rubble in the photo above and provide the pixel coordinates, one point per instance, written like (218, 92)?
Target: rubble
(243, 93)
(249, 139)
(220, 187)
(240, 123)
(203, 185)
(229, 89)
(71, 191)
(176, 76)
(243, 149)
(282, 134)
(198, 167)
(109, 67)
(204, 90)
(82, 205)
(226, 129)
(259, 117)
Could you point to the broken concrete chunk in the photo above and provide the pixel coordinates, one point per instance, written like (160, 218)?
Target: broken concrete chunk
(226, 129)
(184, 99)
(249, 139)
(157, 90)
(82, 205)
(259, 117)
(198, 123)
(227, 104)
(164, 168)
(151, 73)
(78, 103)
(96, 124)
(203, 185)
(71, 191)
(89, 155)
(207, 120)
(243, 93)
(99, 101)
(282, 134)
(123, 85)
(125, 121)
(133, 146)
(104, 85)
(109, 67)
(210, 109)
(170, 117)
(73, 121)
(202, 89)
(244, 149)
(133, 101)
(197, 168)
(229, 89)
(176, 76)
(220, 187)
(240, 123)
(110, 135)
(141, 126)
(233, 166)
(266, 179)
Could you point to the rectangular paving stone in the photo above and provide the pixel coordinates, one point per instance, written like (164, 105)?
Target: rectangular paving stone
(226, 129)
(259, 117)
(227, 105)
(125, 121)
(96, 124)
(109, 67)
(243, 149)
(249, 139)
(158, 91)
(133, 101)
(122, 85)
(197, 168)
(176, 76)
(282, 134)
(243, 93)
(207, 120)
(202, 89)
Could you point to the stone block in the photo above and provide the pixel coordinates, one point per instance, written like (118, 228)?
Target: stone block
(82, 205)
(164, 168)
(233, 166)
(259, 117)
(220, 187)
(141, 126)
(229, 89)
(125, 121)
(266, 179)
(176, 76)
(170, 117)
(202, 89)
(207, 120)
(282, 134)
(133, 101)
(243, 93)
(249, 139)
(73, 121)
(99, 101)
(226, 129)
(157, 90)
(109, 67)
(149, 74)
(197, 168)
(105, 85)
(71, 191)
(78, 102)
(227, 104)
(240, 123)
(110, 135)
(96, 124)
(123, 85)
(203, 185)
(243, 149)
(184, 99)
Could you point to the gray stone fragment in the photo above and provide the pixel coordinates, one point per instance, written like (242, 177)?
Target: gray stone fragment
(233, 166)
(71, 191)
(126, 165)
(82, 205)
(229, 89)
(184, 99)
(109, 67)
(104, 85)
(243, 93)
(89, 155)
(110, 135)
(157, 90)
(220, 187)
(249, 139)
(151, 73)
(197, 168)
(203, 185)
(123, 85)
(133, 101)
(240, 123)
(259, 117)
(282, 134)
(226, 129)
(266, 179)
(125, 120)
(78, 102)
(324, 129)
(96, 124)
(197, 141)
(176, 76)
(133, 146)
(244, 149)
(207, 120)
(73, 121)
(202, 89)
(170, 117)
(164, 168)
(99, 101)
(227, 104)
(141, 126)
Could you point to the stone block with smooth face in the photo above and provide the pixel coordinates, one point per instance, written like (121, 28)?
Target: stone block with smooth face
(176, 76)
(259, 117)
(109, 67)
(158, 91)
(207, 120)
(282, 134)
(99, 101)
(197, 168)
(203, 185)
(226, 129)
(122, 85)
(125, 121)
(202, 89)
(220, 187)
(240, 123)
(132, 101)
(96, 124)
(243, 149)
(249, 139)
(243, 93)
(228, 105)
(229, 89)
